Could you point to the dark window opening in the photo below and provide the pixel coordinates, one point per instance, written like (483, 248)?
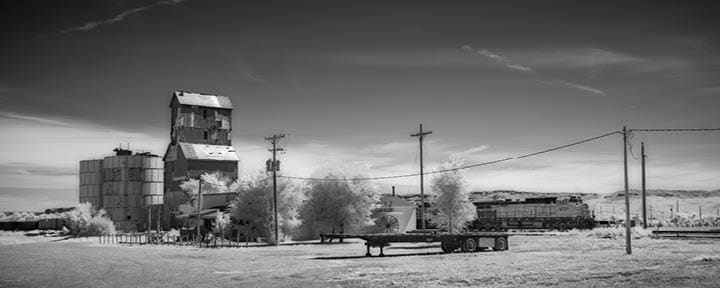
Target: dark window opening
(205, 135)
(204, 114)
(128, 217)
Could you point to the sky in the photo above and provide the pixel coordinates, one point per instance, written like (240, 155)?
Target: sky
(349, 81)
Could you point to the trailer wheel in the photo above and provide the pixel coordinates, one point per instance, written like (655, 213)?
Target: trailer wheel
(501, 244)
(446, 247)
(469, 245)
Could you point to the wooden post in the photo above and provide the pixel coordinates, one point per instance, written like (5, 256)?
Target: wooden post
(274, 140)
(421, 134)
(628, 246)
(644, 207)
(199, 210)
(700, 211)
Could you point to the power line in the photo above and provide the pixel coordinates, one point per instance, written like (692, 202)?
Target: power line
(676, 130)
(569, 145)
(461, 167)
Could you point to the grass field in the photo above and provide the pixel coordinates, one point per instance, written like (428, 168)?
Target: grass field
(567, 260)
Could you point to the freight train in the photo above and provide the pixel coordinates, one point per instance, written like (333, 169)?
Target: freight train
(533, 213)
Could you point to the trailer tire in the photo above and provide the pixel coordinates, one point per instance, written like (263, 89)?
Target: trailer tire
(501, 244)
(446, 247)
(469, 245)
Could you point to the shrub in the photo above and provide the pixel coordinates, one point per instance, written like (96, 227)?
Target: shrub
(619, 232)
(99, 226)
(85, 221)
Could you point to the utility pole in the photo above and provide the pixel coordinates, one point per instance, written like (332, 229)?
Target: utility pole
(628, 248)
(644, 207)
(421, 134)
(199, 220)
(274, 139)
(700, 211)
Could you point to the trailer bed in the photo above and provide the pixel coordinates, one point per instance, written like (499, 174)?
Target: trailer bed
(449, 242)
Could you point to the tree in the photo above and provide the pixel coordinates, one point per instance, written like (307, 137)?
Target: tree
(222, 224)
(211, 183)
(338, 206)
(453, 201)
(252, 209)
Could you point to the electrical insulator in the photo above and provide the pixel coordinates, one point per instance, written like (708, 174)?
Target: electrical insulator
(277, 165)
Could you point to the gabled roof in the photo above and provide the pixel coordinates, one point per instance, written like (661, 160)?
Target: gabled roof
(204, 100)
(208, 152)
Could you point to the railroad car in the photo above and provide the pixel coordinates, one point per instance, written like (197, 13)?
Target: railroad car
(533, 213)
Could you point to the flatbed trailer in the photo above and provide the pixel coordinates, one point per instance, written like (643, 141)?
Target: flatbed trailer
(449, 242)
(687, 232)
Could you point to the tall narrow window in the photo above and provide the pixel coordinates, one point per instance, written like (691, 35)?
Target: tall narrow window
(205, 135)
(204, 114)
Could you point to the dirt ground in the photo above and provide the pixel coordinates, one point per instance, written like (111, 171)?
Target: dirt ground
(571, 260)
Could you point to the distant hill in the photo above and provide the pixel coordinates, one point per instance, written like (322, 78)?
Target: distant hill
(634, 193)
(512, 194)
(665, 194)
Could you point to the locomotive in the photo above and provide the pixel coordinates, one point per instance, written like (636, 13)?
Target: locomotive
(533, 213)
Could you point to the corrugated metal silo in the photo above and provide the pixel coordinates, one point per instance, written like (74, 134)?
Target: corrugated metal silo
(91, 181)
(153, 181)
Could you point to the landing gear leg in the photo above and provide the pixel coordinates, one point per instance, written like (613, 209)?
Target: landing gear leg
(381, 251)
(368, 250)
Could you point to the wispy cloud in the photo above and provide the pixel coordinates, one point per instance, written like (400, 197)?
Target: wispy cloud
(474, 150)
(26, 168)
(574, 58)
(519, 67)
(581, 61)
(254, 78)
(560, 83)
(413, 59)
(35, 119)
(497, 57)
(119, 17)
(6, 89)
(709, 90)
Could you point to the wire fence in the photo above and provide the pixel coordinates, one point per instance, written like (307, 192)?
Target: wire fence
(174, 239)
